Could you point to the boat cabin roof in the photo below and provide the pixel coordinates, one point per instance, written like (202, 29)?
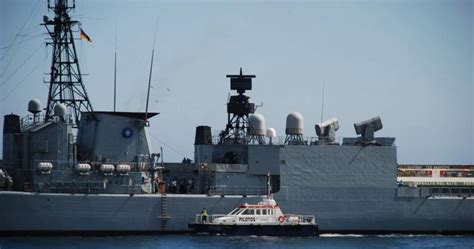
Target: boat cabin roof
(257, 206)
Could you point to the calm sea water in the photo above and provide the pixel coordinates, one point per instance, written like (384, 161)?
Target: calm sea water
(239, 242)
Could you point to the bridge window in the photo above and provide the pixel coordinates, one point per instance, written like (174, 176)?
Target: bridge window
(264, 212)
(248, 212)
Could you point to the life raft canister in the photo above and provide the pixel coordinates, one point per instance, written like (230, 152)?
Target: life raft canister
(281, 219)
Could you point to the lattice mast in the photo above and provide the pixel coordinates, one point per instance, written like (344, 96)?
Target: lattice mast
(65, 85)
(238, 110)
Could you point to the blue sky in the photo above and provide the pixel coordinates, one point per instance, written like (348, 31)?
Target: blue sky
(410, 62)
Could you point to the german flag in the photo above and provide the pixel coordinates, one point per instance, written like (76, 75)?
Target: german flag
(84, 36)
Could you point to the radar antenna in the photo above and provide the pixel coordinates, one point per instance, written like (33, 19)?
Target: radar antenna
(65, 85)
(238, 110)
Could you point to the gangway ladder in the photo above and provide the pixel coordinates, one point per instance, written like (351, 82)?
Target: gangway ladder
(164, 211)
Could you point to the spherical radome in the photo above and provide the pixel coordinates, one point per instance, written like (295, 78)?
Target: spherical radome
(60, 110)
(34, 106)
(271, 132)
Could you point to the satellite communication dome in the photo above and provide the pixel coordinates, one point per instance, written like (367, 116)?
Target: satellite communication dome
(294, 124)
(271, 132)
(34, 106)
(60, 110)
(257, 124)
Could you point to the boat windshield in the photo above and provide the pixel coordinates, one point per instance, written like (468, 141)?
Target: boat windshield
(234, 211)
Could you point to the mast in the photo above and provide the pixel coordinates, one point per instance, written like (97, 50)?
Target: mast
(238, 110)
(65, 85)
(115, 68)
(151, 71)
(322, 104)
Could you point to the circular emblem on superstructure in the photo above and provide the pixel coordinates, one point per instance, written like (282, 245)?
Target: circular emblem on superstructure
(127, 133)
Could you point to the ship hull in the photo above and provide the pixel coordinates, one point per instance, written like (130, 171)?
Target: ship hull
(259, 230)
(68, 213)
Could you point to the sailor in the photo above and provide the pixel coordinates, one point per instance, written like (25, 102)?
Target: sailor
(157, 184)
(204, 215)
(188, 187)
(174, 186)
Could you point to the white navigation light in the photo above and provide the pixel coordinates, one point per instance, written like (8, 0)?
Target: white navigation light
(257, 125)
(294, 124)
(326, 131)
(367, 129)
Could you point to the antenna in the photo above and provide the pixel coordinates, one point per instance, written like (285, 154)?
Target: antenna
(322, 104)
(115, 67)
(151, 71)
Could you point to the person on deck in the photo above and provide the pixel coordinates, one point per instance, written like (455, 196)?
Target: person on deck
(157, 184)
(204, 215)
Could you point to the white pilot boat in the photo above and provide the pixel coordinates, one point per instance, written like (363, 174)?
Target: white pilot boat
(264, 218)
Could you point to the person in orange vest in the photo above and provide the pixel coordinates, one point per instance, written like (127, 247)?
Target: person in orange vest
(157, 184)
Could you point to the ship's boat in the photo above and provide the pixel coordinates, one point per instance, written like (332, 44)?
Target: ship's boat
(263, 218)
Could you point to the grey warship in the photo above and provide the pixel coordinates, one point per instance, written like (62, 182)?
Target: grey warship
(72, 169)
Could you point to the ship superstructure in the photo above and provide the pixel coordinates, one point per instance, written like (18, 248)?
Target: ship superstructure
(68, 147)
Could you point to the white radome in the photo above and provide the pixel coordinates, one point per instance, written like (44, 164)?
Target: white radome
(34, 106)
(257, 122)
(294, 124)
(271, 132)
(60, 110)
